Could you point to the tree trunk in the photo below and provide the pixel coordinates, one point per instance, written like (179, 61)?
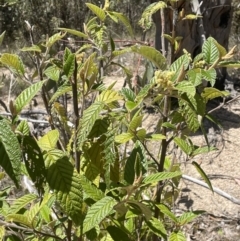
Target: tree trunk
(215, 22)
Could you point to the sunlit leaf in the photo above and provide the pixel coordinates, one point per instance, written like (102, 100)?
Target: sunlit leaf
(203, 175)
(151, 54)
(13, 62)
(97, 212)
(26, 96)
(96, 10)
(212, 93)
(177, 236)
(156, 177)
(210, 51)
(74, 32)
(49, 140)
(124, 137)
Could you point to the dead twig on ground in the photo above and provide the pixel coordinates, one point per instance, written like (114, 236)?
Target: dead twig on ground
(224, 104)
(215, 189)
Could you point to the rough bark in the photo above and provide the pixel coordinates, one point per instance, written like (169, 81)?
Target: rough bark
(216, 22)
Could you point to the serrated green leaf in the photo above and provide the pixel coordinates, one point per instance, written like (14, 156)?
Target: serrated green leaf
(229, 64)
(89, 70)
(128, 94)
(156, 137)
(19, 218)
(188, 217)
(141, 134)
(49, 140)
(190, 114)
(117, 234)
(151, 54)
(131, 105)
(111, 157)
(69, 65)
(135, 123)
(65, 181)
(165, 210)
(203, 175)
(34, 163)
(194, 77)
(129, 173)
(32, 213)
(10, 152)
(96, 10)
(90, 115)
(74, 32)
(137, 166)
(177, 236)
(52, 72)
(108, 96)
(112, 16)
(203, 150)
(45, 213)
(122, 18)
(179, 64)
(13, 62)
(149, 11)
(156, 177)
(26, 96)
(97, 212)
(187, 87)
(92, 172)
(210, 93)
(23, 128)
(185, 147)
(169, 125)
(124, 137)
(209, 75)
(99, 128)
(63, 89)
(144, 92)
(117, 53)
(21, 203)
(129, 224)
(33, 48)
(67, 52)
(112, 44)
(221, 49)
(91, 190)
(157, 227)
(210, 51)
(53, 39)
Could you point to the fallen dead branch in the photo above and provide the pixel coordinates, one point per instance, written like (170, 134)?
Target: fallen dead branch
(215, 189)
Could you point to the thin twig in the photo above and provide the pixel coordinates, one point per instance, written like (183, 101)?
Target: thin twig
(12, 225)
(215, 189)
(224, 104)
